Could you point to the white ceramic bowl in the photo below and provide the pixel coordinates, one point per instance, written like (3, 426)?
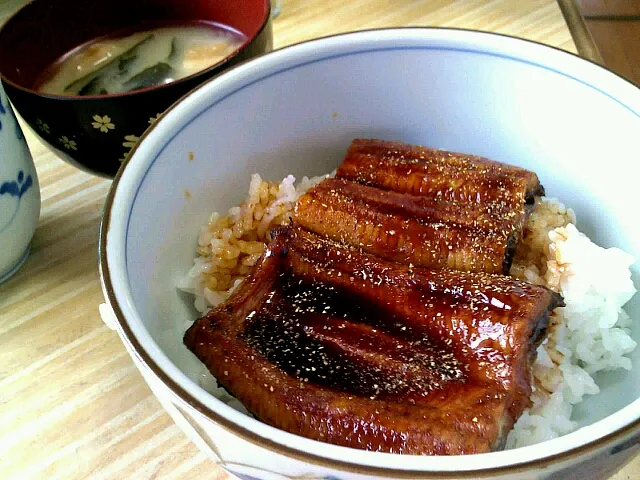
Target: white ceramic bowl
(295, 111)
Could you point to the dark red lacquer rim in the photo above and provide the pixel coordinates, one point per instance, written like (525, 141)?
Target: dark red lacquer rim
(30, 54)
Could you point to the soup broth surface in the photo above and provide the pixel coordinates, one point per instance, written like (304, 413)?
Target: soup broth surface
(143, 59)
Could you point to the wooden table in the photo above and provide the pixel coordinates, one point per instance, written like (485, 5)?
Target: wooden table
(72, 404)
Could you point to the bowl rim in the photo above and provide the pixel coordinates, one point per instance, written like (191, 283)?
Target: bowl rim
(347, 464)
(180, 81)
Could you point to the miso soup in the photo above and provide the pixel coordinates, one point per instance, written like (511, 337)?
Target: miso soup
(143, 59)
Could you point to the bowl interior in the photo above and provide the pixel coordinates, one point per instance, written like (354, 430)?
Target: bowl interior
(44, 30)
(296, 111)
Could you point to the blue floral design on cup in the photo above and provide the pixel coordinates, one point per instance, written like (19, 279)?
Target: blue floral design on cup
(19, 193)
(16, 188)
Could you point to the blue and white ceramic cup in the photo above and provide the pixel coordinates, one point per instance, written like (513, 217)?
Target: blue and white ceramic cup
(19, 193)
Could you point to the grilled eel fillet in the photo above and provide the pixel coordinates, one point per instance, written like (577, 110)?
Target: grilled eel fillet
(341, 346)
(413, 229)
(438, 174)
(423, 206)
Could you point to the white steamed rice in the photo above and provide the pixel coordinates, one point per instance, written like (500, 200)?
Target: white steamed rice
(590, 334)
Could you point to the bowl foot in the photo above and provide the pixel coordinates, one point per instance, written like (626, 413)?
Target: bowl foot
(13, 269)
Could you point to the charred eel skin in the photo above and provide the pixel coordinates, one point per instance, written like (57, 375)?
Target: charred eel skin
(337, 345)
(438, 174)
